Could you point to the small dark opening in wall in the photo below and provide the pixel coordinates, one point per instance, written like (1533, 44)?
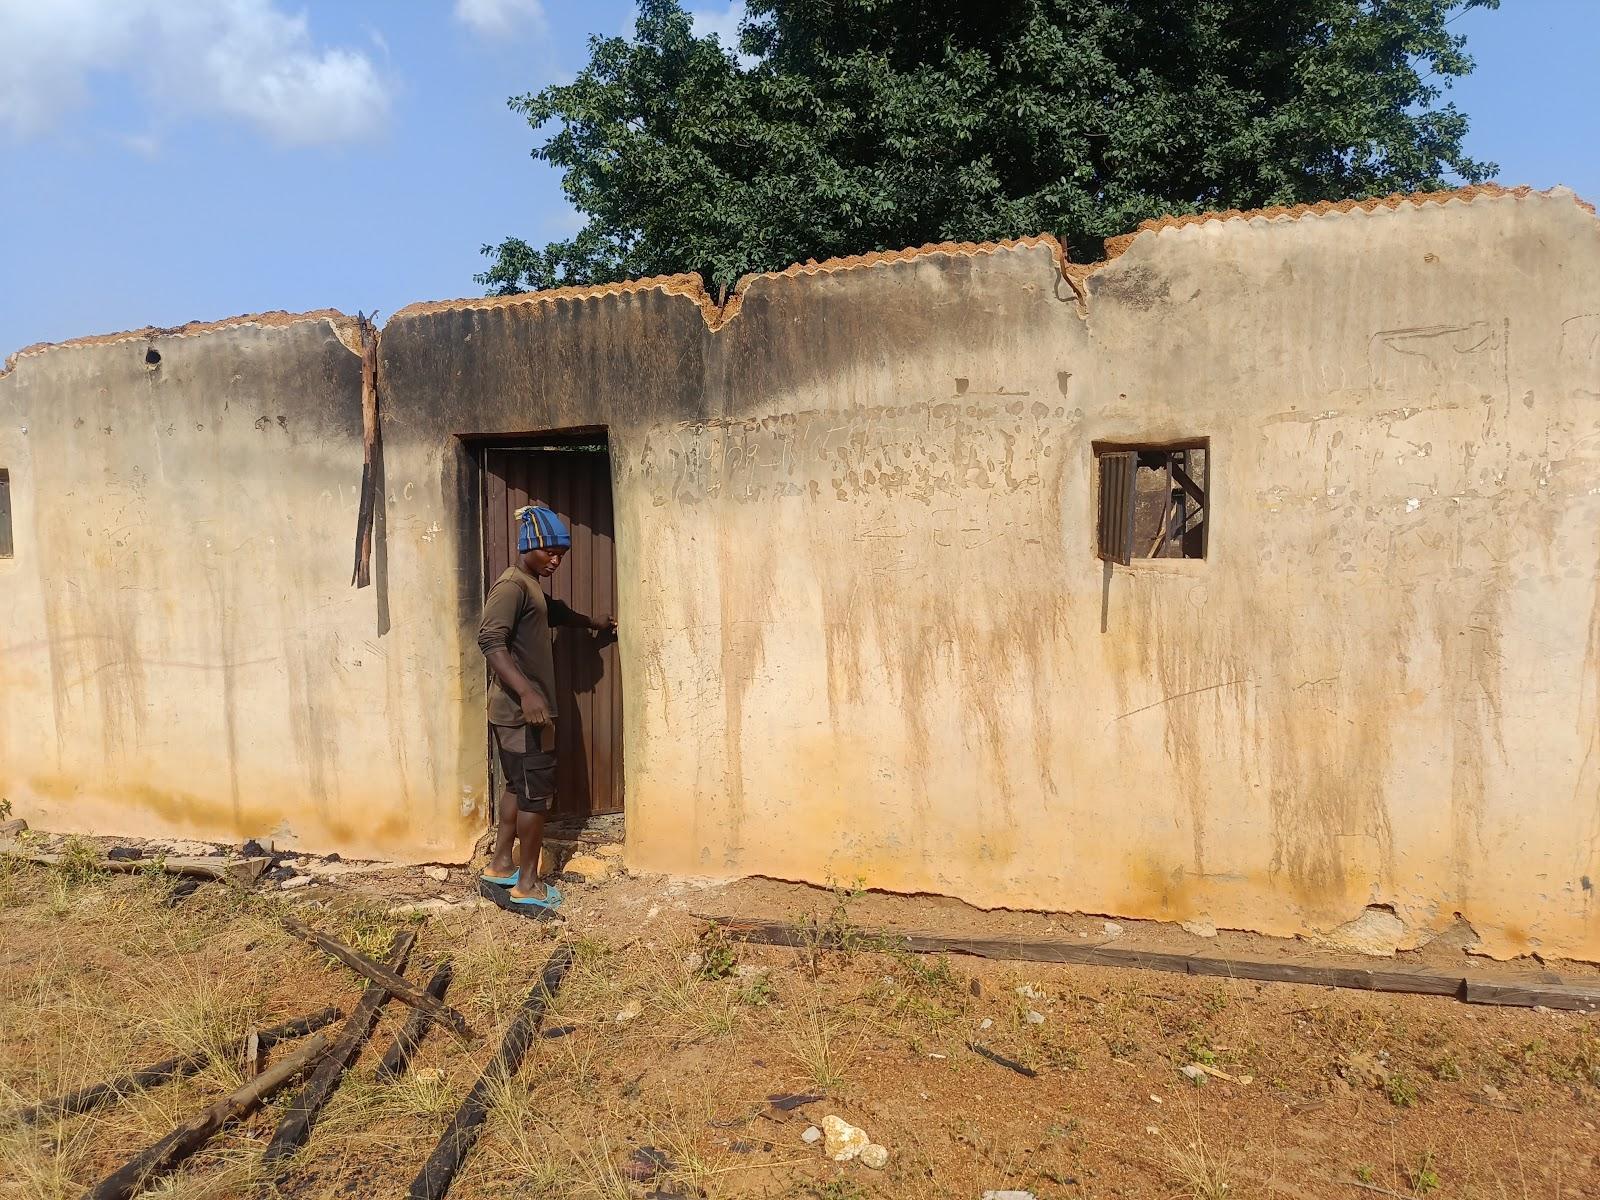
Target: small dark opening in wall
(1153, 499)
(152, 357)
(5, 513)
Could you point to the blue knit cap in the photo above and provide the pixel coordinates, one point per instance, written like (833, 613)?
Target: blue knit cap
(540, 529)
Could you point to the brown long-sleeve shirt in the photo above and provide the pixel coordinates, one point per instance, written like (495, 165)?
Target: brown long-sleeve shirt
(518, 616)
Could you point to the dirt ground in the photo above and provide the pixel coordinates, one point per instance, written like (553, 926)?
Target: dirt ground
(668, 1036)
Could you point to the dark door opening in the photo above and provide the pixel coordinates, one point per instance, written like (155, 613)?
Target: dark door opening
(573, 476)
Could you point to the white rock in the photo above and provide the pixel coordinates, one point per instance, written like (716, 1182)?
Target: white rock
(875, 1156)
(438, 873)
(295, 881)
(843, 1140)
(1192, 1073)
(629, 1013)
(1028, 992)
(694, 960)
(1154, 1099)
(1112, 929)
(811, 1136)
(1009, 1194)
(1377, 931)
(1202, 927)
(986, 1023)
(1034, 1017)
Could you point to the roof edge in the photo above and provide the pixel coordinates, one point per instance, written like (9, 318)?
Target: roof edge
(1116, 246)
(276, 318)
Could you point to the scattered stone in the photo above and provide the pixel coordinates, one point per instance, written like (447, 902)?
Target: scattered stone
(1009, 1194)
(124, 854)
(13, 827)
(975, 987)
(586, 868)
(693, 961)
(750, 971)
(1154, 1099)
(1112, 929)
(1028, 992)
(986, 1023)
(843, 1141)
(789, 1101)
(875, 1156)
(811, 1136)
(250, 848)
(631, 1012)
(333, 858)
(431, 1074)
(1193, 1074)
(295, 881)
(611, 850)
(1033, 1017)
(1202, 927)
(436, 873)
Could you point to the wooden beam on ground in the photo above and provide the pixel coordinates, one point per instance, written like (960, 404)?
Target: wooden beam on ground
(1547, 991)
(183, 1141)
(97, 1096)
(462, 1134)
(243, 871)
(295, 1127)
(398, 1057)
(401, 990)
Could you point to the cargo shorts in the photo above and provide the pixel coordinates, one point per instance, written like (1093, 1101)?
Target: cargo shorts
(529, 768)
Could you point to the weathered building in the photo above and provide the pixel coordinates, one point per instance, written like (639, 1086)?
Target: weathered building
(865, 631)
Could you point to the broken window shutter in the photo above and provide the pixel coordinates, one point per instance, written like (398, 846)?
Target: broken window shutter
(1117, 470)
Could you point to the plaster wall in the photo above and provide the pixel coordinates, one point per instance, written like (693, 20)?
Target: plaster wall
(864, 632)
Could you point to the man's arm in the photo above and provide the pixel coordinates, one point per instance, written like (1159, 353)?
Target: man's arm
(558, 612)
(494, 631)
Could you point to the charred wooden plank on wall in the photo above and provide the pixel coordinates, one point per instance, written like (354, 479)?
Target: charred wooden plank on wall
(362, 575)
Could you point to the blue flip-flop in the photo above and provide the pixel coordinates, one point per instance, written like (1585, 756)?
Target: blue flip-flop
(531, 907)
(549, 902)
(508, 881)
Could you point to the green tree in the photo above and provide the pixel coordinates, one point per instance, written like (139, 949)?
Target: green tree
(855, 125)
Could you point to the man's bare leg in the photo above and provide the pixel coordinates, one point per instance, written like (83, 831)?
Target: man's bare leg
(530, 833)
(505, 832)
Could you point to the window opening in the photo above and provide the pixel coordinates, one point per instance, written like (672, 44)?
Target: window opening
(1153, 500)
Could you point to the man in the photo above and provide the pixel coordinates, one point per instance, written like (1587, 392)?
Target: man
(514, 636)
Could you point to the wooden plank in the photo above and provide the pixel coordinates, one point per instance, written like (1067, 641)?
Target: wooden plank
(100, 1094)
(465, 1127)
(191, 1135)
(1393, 978)
(361, 575)
(398, 1056)
(403, 991)
(295, 1127)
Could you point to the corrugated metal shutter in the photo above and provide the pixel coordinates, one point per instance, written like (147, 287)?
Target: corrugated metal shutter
(1117, 472)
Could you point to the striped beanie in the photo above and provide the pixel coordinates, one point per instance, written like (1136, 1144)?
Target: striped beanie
(538, 528)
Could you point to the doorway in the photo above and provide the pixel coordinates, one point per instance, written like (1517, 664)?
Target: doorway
(571, 474)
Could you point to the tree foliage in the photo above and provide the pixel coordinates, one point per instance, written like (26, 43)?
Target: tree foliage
(842, 126)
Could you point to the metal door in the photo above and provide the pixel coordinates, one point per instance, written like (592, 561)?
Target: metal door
(575, 480)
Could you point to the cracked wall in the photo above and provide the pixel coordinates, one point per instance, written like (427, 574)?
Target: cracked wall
(862, 619)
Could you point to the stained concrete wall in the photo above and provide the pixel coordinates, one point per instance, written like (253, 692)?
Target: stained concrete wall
(864, 632)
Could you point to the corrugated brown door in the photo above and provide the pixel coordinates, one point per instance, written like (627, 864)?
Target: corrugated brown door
(576, 482)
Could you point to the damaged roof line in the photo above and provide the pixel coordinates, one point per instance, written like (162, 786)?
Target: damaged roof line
(717, 316)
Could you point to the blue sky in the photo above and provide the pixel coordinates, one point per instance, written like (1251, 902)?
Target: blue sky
(175, 160)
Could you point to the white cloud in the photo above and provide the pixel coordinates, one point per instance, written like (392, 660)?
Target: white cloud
(244, 59)
(724, 22)
(501, 18)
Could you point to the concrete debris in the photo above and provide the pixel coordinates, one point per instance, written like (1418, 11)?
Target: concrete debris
(586, 868)
(630, 1013)
(1112, 929)
(811, 1136)
(611, 850)
(1028, 992)
(842, 1140)
(986, 1023)
(1377, 931)
(875, 1156)
(1009, 1194)
(1201, 927)
(295, 881)
(437, 873)
(1033, 1017)
(13, 827)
